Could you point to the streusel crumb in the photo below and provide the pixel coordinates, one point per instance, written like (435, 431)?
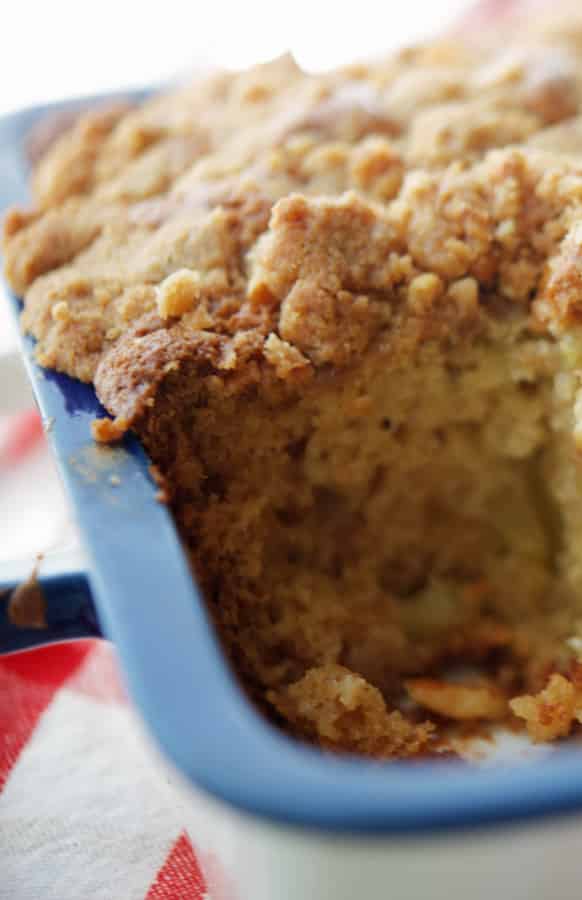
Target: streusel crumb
(108, 431)
(178, 293)
(551, 713)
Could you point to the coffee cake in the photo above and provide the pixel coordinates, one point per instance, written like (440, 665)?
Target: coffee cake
(342, 312)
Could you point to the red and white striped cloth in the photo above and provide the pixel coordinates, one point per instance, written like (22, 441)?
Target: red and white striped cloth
(86, 809)
(86, 806)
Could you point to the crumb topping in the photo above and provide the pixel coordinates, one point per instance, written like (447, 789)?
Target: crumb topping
(178, 293)
(551, 713)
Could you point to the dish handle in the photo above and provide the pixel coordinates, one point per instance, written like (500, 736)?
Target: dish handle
(67, 609)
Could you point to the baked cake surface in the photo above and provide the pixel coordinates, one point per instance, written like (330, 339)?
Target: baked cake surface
(343, 312)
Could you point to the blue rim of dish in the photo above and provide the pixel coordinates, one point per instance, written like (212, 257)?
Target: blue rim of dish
(175, 670)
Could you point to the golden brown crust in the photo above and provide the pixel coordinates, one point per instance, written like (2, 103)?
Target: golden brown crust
(128, 376)
(329, 276)
(326, 274)
(116, 197)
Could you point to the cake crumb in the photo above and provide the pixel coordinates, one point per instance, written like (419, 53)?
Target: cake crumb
(109, 431)
(284, 357)
(163, 494)
(61, 312)
(178, 293)
(341, 710)
(465, 294)
(424, 290)
(458, 701)
(552, 712)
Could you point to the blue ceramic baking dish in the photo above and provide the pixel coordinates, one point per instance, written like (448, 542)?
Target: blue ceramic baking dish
(148, 604)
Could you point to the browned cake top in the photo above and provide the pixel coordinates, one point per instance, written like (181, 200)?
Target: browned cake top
(272, 223)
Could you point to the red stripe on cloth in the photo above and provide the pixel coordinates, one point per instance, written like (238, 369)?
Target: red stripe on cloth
(99, 676)
(28, 682)
(180, 877)
(25, 432)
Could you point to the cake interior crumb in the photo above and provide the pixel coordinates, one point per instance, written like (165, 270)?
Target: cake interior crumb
(393, 521)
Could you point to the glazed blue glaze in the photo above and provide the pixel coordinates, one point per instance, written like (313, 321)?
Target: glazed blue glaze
(176, 673)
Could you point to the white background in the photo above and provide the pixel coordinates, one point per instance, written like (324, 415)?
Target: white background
(57, 48)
